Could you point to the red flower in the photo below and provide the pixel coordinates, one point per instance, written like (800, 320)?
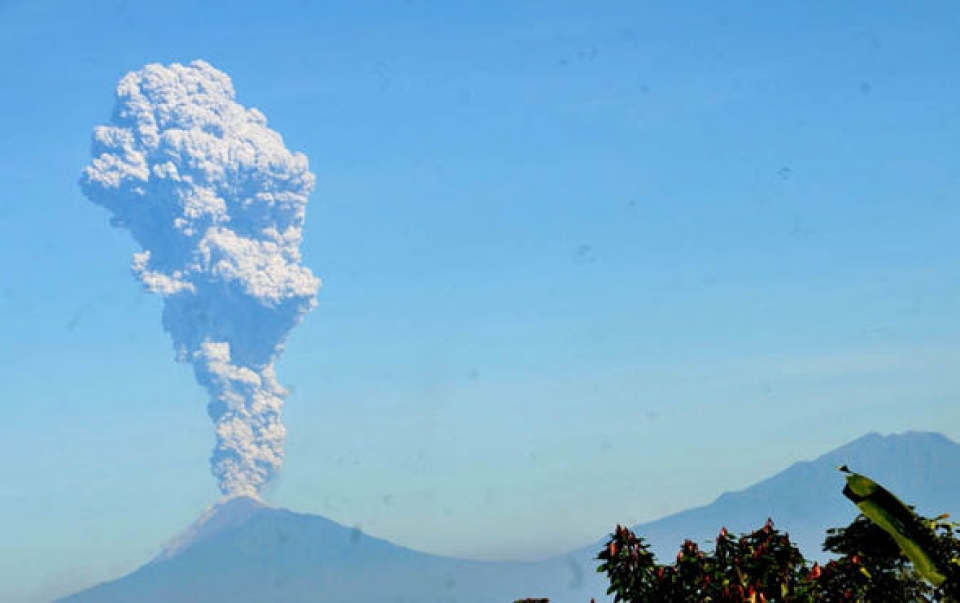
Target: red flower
(815, 572)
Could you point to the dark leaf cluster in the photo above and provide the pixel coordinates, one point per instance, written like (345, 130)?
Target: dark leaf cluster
(765, 566)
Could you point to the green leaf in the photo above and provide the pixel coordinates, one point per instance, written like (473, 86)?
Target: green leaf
(902, 524)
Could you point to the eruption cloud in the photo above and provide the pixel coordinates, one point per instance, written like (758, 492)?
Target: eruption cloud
(216, 202)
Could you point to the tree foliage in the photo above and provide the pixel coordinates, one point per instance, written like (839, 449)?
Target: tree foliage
(765, 566)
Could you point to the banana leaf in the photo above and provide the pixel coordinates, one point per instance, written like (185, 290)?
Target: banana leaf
(912, 535)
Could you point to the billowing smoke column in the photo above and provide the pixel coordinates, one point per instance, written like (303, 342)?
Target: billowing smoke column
(217, 203)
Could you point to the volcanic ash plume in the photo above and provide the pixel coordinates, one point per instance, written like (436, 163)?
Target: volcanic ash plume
(216, 202)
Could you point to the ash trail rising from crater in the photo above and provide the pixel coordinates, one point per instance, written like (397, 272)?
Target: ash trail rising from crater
(216, 202)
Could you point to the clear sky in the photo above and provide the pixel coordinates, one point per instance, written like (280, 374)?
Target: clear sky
(583, 263)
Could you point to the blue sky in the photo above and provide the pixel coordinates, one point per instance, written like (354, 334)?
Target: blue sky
(582, 264)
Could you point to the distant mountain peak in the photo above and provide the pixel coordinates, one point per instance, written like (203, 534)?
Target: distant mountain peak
(806, 497)
(893, 443)
(224, 515)
(875, 436)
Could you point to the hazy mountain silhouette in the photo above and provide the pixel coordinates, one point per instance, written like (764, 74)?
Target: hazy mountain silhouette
(805, 499)
(244, 551)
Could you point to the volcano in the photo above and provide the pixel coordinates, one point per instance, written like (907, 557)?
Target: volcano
(242, 550)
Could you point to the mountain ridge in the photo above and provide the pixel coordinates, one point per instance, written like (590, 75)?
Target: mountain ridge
(223, 515)
(911, 464)
(261, 553)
